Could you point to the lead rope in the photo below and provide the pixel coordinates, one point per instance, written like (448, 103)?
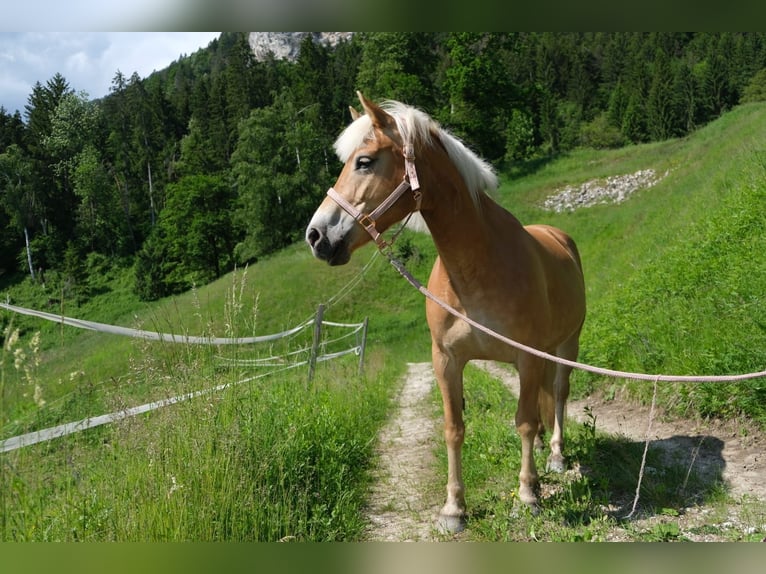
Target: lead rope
(411, 182)
(542, 354)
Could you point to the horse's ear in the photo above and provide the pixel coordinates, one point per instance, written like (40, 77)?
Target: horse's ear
(380, 119)
(354, 114)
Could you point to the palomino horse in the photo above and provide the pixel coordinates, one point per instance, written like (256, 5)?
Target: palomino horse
(523, 282)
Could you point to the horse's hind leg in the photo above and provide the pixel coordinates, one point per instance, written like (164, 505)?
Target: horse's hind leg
(531, 377)
(567, 350)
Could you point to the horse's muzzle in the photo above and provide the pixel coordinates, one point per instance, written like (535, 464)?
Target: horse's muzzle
(322, 248)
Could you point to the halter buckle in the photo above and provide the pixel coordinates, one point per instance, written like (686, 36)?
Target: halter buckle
(418, 196)
(366, 221)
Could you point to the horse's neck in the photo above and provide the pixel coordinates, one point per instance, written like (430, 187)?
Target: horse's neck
(463, 232)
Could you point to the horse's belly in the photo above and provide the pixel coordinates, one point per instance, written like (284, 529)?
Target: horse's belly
(463, 341)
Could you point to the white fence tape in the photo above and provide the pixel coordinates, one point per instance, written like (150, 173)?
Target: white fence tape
(81, 425)
(151, 335)
(43, 435)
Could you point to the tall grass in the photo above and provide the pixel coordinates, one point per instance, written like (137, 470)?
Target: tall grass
(272, 459)
(262, 462)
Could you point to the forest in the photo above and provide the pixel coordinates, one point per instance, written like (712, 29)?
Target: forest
(220, 159)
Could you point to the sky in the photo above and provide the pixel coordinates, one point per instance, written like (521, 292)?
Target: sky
(88, 60)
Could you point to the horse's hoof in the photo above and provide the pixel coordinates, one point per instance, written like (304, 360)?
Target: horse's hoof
(528, 498)
(450, 524)
(556, 464)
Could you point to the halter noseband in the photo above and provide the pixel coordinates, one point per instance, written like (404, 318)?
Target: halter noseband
(366, 220)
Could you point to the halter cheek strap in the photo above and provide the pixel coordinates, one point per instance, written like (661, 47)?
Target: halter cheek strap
(368, 221)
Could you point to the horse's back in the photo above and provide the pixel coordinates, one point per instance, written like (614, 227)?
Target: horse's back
(557, 243)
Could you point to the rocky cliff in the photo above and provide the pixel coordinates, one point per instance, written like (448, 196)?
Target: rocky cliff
(286, 45)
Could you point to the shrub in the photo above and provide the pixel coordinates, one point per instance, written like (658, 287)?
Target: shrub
(755, 91)
(600, 134)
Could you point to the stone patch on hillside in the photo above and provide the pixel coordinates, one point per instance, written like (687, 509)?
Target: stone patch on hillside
(613, 189)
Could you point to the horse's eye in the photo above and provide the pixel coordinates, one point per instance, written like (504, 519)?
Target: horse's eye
(364, 163)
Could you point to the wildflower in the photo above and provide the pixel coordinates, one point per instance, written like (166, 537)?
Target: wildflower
(18, 358)
(34, 346)
(38, 396)
(12, 339)
(174, 486)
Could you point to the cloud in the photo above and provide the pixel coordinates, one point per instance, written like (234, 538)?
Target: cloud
(88, 61)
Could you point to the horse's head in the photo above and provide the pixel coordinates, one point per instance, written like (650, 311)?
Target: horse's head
(371, 193)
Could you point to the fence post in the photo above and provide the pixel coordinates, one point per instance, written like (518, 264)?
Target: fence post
(363, 346)
(315, 342)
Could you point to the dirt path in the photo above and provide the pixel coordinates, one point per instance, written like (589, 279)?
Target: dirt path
(401, 509)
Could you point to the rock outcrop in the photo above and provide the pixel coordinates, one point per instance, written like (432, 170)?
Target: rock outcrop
(286, 45)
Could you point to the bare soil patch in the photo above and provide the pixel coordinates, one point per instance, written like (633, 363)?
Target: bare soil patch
(716, 450)
(717, 446)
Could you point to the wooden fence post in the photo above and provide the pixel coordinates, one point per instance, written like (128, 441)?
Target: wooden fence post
(363, 346)
(315, 342)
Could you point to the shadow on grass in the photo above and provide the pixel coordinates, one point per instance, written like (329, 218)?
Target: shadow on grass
(679, 472)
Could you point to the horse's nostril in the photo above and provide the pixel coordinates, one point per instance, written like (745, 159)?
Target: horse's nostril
(313, 236)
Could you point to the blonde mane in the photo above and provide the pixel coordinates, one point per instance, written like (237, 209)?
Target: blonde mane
(419, 129)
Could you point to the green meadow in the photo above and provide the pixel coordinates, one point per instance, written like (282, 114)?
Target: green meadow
(676, 277)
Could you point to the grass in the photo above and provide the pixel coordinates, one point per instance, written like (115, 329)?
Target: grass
(257, 463)
(269, 460)
(248, 302)
(274, 459)
(675, 280)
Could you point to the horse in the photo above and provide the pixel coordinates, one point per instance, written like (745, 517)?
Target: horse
(525, 283)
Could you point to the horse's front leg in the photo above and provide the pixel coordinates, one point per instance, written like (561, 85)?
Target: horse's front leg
(449, 375)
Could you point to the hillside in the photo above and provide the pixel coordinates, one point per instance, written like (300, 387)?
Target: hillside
(675, 277)
(676, 274)
(219, 158)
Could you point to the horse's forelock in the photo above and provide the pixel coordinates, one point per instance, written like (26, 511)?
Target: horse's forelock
(356, 133)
